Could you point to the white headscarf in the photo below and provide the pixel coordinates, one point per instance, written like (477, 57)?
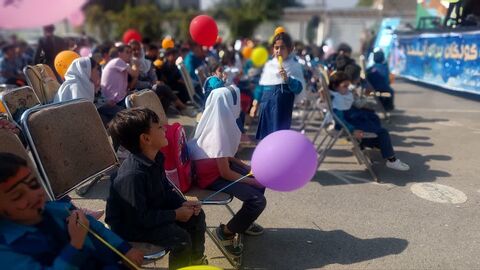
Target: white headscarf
(271, 75)
(217, 134)
(77, 82)
(144, 64)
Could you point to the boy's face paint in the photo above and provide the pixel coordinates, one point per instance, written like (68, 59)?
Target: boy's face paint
(22, 198)
(280, 49)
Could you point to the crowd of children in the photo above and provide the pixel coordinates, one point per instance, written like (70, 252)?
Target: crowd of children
(143, 205)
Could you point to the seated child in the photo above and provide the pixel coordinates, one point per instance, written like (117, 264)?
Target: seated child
(379, 76)
(36, 234)
(278, 85)
(213, 149)
(143, 205)
(360, 121)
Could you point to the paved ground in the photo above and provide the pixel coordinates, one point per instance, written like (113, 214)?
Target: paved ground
(342, 220)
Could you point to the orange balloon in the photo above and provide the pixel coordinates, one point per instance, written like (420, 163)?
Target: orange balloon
(168, 43)
(247, 52)
(63, 61)
(279, 30)
(2, 108)
(158, 63)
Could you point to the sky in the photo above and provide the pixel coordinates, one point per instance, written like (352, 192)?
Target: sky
(205, 4)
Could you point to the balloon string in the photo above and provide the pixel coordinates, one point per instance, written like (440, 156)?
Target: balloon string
(103, 241)
(229, 185)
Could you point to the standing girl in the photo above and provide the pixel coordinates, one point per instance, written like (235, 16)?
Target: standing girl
(281, 80)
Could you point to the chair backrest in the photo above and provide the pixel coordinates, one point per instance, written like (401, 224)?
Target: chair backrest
(202, 74)
(18, 100)
(324, 91)
(68, 150)
(43, 81)
(147, 98)
(188, 83)
(10, 143)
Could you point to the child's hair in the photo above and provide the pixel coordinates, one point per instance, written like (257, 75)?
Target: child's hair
(9, 165)
(127, 126)
(123, 47)
(214, 67)
(343, 61)
(171, 51)
(379, 56)
(344, 47)
(287, 40)
(336, 79)
(353, 71)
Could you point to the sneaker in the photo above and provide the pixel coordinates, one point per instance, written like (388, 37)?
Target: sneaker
(254, 230)
(228, 242)
(398, 165)
(202, 261)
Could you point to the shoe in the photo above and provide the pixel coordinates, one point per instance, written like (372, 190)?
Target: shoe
(228, 242)
(202, 261)
(254, 230)
(189, 112)
(398, 165)
(96, 214)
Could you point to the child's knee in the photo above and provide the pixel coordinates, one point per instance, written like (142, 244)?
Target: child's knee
(258, 203)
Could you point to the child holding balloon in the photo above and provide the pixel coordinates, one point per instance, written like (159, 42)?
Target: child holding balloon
(281, 79)
(212, 149)
(361, 121)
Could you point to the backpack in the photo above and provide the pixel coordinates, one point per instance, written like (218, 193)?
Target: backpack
(43, 81)
(177, 163)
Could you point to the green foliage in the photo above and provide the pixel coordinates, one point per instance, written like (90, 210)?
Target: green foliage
(364, 3)
(243, 16)
(109, 24)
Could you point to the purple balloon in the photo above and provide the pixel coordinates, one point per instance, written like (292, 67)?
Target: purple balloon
(284, 161)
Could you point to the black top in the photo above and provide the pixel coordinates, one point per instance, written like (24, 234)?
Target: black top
(141, 198)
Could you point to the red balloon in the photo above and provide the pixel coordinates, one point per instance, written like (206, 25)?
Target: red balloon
(204, 30)
(131, 34)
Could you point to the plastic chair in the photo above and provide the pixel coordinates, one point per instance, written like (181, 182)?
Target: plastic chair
(43, 81)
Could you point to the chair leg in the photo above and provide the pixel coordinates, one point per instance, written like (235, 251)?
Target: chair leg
(81, 191)
(235, 262)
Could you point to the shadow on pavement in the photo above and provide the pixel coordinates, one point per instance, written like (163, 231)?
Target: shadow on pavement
(312, 249)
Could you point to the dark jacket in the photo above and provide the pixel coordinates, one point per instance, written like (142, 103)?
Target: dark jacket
(141, 198)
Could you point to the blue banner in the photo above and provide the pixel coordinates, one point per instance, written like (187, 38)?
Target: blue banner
(449, 60)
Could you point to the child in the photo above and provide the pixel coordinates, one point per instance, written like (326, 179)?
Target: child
(36, 234)
(215, 81)
(278, 85)
(379, 76)
(143, 205)
(213, 149)
(360, 121)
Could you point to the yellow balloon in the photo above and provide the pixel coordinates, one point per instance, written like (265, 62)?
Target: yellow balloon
(247, 52)
(63, 61)
(168, 43)
(279, 30)
(259, 56)
(201, 267)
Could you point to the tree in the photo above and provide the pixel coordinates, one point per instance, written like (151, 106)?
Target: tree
(364, 3)
(243, 16)
(111, 24)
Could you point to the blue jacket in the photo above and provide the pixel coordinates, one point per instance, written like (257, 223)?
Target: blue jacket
(47, 245)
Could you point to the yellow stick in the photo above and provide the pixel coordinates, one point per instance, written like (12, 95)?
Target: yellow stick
(280, 61)
(132, 264)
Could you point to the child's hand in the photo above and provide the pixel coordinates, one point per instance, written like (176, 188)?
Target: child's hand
(358, 134)
(75, 230)
(195, 205)
(283, 73)
(253, 110)
(135, 255)
(184, 213)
